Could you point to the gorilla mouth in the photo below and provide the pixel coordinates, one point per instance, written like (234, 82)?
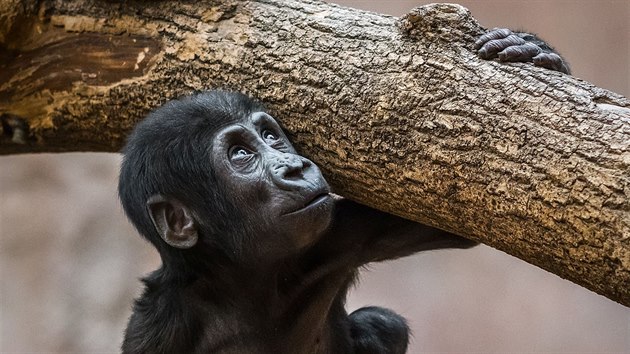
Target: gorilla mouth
(312, 202)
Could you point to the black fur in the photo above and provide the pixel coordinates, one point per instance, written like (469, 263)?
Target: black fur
(376, 330)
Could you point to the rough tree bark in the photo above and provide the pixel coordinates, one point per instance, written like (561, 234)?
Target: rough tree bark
(400, 113)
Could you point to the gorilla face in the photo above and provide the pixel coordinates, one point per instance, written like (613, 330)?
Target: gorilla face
(282, 197)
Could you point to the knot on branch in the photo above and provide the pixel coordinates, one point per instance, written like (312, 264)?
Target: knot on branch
(14, 127)
(448, 22)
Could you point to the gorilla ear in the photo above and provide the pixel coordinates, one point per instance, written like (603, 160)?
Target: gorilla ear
(173, 221)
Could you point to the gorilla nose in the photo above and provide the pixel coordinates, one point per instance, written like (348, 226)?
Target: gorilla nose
(288, 170)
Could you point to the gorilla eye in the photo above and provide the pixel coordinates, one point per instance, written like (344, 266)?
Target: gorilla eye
(269, 136)
(239, 152)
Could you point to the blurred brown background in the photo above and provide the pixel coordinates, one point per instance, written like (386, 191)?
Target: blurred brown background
(70, 262)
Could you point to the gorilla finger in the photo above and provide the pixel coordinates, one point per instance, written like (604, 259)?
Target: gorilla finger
(523, 52)
(497, 33)
(491, 48)
(551, 61)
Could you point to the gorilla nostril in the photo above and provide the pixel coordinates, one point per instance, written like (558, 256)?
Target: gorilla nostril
(293, 173)
(293, 169)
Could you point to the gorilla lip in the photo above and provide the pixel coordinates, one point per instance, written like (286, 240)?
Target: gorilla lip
(312, 202)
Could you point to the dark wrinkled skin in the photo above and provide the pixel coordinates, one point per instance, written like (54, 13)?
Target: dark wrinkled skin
(257, 255)
(508, 46)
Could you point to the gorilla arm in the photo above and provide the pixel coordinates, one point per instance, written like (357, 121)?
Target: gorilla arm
(374, 235)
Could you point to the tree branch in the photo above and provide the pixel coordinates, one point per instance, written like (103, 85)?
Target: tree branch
(400, 113)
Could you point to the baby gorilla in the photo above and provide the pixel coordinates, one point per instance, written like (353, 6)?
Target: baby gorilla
(257, 255)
